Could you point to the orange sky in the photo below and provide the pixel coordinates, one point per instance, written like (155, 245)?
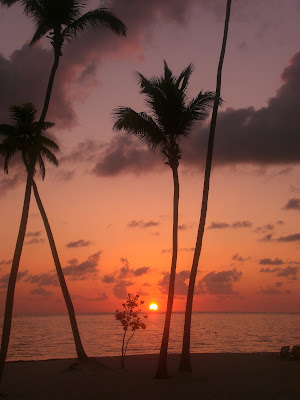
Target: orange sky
(113, 229)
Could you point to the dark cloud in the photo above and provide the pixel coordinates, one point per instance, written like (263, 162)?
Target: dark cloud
(5, 262)
(85, 270)
(218, 225)
(270, 291)
(44, 279)
(290, 238)
(34, 234)
(269, 261)
(120, 278)
(292, 204)
(234, 225)
(267, 238)
(264, 228)
(101, 297)
(219, 283)
(142, 224)
(4, 278)
(34, 240)
(267, 136)
(290, 272)
(46, 294)
(181, 284)
(79, 243)
(120, 288)
(239, 258)
(140, 271)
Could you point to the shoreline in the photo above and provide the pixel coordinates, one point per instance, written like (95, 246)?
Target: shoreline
(215, 376)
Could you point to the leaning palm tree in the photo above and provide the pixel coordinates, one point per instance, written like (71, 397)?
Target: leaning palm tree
(26, 136)
(171, 117)
(63, 20)
(185, 360)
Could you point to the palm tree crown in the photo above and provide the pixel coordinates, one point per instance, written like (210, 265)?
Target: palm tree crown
(64, 19)
(26, 136)
(171, 116)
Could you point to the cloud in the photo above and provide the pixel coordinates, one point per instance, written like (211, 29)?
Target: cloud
(85, 270)
(264, 228)
(120, 278)
(120, 288)
(44, 279)
(101, 297)
(5, 262)
(267, 136)
(219, 283)
(234, 225)
(292, 204)
(239, 258)
(34, 240)
(4, 278)
(290, 238)
(46, 294)
(266, 238)
(269, 261)
(181, 286)
(140, 271)
(8, 183)
(141, 224)
(290, 272)
(34, 234)
(79, 243)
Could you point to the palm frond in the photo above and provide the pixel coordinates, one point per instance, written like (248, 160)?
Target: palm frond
(138, 124)
(42, 167)
(184, 77)
(40, 31)
(49, 156)
(46, 142)
(96, 19)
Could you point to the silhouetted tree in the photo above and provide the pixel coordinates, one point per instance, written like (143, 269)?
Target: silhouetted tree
(63, 20)
(130, 320)
(172, 117)
(26, 136)
(185, 361)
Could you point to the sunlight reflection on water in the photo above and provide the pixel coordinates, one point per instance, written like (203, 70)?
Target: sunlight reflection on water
(49, 336)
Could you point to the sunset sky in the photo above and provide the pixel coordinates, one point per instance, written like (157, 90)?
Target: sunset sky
(109, 202)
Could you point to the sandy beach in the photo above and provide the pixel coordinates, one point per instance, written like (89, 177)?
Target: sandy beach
(215, 376)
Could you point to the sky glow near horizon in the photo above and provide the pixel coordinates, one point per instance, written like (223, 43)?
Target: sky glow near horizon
(110, 201)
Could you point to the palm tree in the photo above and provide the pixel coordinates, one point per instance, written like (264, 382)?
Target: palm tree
(171, 117)
(63, 20)
(27, 137)
(185, 360)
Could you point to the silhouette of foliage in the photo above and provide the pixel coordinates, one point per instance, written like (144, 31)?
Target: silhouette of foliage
(130, 321)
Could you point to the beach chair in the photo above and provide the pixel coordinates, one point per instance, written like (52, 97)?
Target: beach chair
(285, 352)
(296, 352)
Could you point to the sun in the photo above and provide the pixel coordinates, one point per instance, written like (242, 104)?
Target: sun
(153, 306)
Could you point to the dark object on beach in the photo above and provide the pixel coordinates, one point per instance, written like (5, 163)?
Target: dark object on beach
(284, 352)
(294, 354)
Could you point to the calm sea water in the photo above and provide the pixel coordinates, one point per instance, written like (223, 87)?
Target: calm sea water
(49, 336)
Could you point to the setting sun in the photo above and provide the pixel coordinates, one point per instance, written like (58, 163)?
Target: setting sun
(153, 306)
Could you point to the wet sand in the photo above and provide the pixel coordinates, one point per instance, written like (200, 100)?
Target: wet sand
(215, 376)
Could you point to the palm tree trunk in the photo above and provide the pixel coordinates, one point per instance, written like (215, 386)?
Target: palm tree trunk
(49, 87)
(162, 371)
(79, 348)
(13, 277)
(185, 361)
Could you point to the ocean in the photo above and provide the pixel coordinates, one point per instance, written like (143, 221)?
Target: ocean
(40, 337)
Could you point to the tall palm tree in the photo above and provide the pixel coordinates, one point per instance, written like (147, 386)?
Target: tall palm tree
(27, 137)
(185, 360)
(63, 20)
(171, 117)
